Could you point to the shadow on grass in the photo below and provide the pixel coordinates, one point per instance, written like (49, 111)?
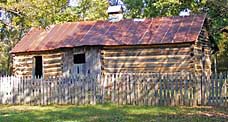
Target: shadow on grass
(107, 113)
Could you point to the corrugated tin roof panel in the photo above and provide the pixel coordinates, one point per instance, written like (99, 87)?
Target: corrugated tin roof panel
(161, 30)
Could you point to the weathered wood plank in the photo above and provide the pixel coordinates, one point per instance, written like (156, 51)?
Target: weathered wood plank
(150, 65)
(147, 57)
(145, 52)
(147, 60)
(168, 46)
(51, 66)
(132, 70)
(53, 61)
(52, 56)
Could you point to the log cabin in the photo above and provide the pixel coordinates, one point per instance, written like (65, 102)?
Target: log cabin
(154, 45)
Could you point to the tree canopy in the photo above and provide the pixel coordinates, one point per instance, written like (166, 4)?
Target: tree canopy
(41, 13)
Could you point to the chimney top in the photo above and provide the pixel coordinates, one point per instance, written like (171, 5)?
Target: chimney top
(185, 12)
(115, 9)
(115, 13)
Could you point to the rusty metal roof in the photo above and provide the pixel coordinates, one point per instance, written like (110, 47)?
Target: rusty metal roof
(160, 30)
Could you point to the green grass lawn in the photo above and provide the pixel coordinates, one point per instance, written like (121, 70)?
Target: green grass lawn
(111, 113)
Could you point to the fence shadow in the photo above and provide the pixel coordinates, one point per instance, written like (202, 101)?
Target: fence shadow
(109, 112)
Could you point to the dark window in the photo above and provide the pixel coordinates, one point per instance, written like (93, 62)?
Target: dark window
(79, 58)
(38, 67)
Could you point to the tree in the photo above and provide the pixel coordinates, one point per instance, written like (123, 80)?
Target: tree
(41, 13)
(153, 8)
(217, 14)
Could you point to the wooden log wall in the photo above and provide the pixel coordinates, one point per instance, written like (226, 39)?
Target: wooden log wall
(202, 48)
(202, 54)
(163, 59)
(23, 64)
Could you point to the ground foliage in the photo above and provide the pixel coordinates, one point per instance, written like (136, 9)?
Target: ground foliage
(111, 113)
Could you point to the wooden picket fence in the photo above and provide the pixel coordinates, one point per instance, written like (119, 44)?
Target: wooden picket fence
(133, 89)
(217, 90)
(53, 90)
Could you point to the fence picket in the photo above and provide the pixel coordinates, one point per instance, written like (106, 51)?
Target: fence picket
(112, 88)
(133, 94)
(77, 91)
(225, 93)
(220, 89)
(211, 95)
(160, 91)
(157, 90)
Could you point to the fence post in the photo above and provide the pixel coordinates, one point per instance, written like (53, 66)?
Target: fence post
(221, 78)
(225, 92)
(1, 94)
(133, 94)
(113, 88)
(211, 87)
(198, 90)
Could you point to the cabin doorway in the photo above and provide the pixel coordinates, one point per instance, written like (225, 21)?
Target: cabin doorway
(38, 69)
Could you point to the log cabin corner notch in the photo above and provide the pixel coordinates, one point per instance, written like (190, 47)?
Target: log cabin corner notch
(162, 44)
